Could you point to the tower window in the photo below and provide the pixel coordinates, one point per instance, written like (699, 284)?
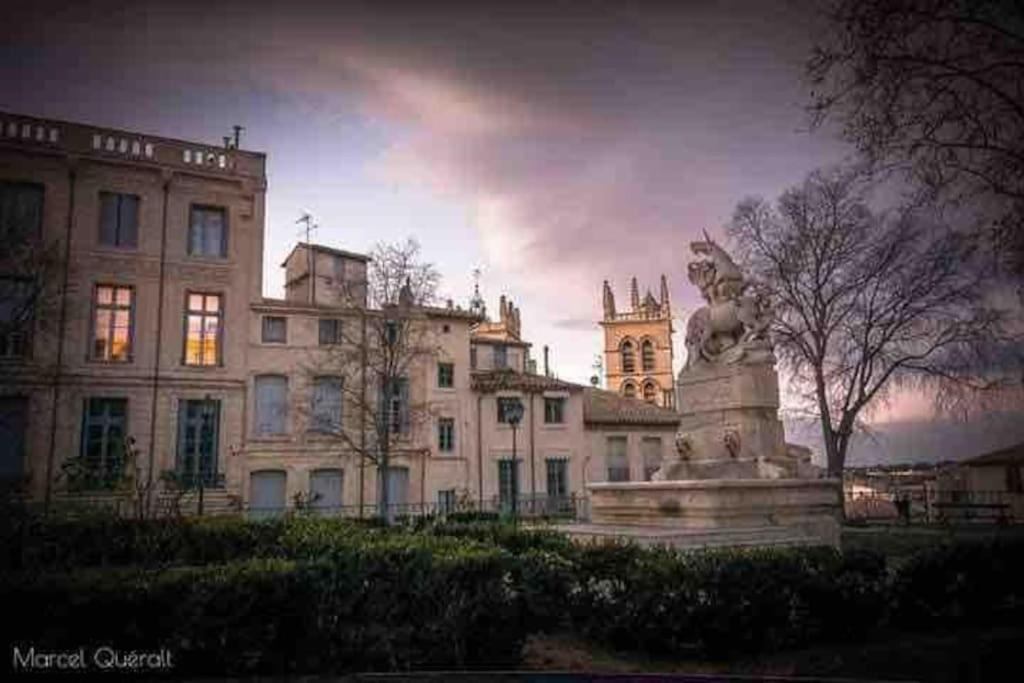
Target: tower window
(650, 392)
(629, 390)
(628, 358)
(647, 355)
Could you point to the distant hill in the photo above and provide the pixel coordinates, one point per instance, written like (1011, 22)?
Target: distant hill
(924, 441)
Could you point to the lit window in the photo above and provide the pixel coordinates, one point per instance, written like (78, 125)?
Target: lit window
(203, 316)
(112, 323)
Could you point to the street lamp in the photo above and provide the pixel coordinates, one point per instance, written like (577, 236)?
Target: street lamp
(514, 415)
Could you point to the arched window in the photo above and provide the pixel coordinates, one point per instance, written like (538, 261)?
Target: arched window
(647, 355)
(628, 358)
(650, 392)
(629, 390)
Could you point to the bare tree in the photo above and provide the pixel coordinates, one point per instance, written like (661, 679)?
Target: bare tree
(933, 89)
(864, 302)
(378, 350)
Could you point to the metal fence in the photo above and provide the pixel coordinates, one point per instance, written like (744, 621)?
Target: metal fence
(567, 508)
(935, 507)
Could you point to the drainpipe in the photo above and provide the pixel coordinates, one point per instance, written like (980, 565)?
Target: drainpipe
(479, 451)
(533, 431)
(47, 496)
(167, 177)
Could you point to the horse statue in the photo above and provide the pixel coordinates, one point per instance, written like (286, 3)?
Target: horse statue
(733, 324)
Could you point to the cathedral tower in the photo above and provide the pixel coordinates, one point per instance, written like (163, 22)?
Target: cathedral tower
(638, 346)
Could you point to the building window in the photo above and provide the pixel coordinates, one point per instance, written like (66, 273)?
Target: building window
(616, 460)
(17, 307)
(508, 483)
(554, 410)
(271, 405)
(629, 390)
(208, 232)
(505, 405)
(113, 311)
(650, 392)
(330, 331)
(558, 477)
(198, 430)
(446, 375)
(667, 398)
(395, 405)
(21, 212)
(104, 428)
(446, 434)
(275, 329)
(326, 406)
(650, 447)
(203, 325)
(500, 356)
(628, 358)
(472, 358)
(446, 501)
(647, 355)
(119, 219)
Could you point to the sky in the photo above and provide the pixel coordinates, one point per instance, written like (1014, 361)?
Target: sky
(552, 145)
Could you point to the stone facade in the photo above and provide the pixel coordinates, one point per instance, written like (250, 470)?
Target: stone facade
(638, 346)
(162, 337)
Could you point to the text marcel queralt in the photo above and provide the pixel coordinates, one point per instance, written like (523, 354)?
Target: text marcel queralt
(106, 658)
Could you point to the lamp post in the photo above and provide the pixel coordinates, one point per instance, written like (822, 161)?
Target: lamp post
(514, 414)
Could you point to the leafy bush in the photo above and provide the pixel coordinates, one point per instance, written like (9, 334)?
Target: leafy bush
(390, 605)
(960, 582)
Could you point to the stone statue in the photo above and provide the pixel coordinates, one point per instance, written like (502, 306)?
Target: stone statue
(733, 326)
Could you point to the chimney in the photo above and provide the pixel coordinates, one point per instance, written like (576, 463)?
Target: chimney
(634, 295)
(547, 367)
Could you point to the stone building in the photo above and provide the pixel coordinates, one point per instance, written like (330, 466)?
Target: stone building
(140, 329)
(151, 353)
(638, 346)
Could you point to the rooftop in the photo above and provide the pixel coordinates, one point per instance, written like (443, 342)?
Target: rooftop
(327, 250)
(607, 407)
(57, 137)
(1014, 455)
(500, 380)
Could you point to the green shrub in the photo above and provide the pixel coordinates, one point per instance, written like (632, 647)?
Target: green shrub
(965, 581)
(389, 605)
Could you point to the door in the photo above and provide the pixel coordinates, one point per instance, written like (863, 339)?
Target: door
(398, 489)
(198, 434)
(267, 494)
(325, 488)
(508, 484)
(13, 422)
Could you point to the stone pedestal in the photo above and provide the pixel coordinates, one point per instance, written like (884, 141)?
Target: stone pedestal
(713, 513)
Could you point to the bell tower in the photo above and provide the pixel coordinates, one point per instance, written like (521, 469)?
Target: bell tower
(638, 345)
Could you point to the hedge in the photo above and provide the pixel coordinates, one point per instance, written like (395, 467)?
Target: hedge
(383, 607)
(330, 595)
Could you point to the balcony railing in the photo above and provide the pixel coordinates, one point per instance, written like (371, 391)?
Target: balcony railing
(571, 507)
(930, 506)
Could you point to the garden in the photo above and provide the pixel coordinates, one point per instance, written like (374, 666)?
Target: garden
(311, 595)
